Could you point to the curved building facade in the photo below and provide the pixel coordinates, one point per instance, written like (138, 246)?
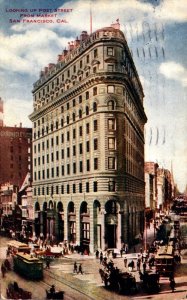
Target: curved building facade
(88, 144)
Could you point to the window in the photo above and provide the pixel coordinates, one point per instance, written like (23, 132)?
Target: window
(52, 157)
(94, 69)
(80, 99)
(51, 127)
(80, 187)
(62, 189)
(80, 148)
(87, 95)
(74, 168)
(111, 105)
(111, 124)
(95, 125)
(74, 150)
(67, 189)
(110, 89)
(52, 172)
(88, 165)
(87, 187)
(80, 167)
(111, 143)
(87, 128)
(80, 113)
(74, 102)
(111, 163)
(57, 189)
(95, 186)
(94, 107)
(57, 171)
(94, 91)
(74, 68)
(68, 169)
(68, 152)
(56, 140)
(62, 138)
(68, 73)
(110, 51)
(87, 146)
(67, 119)
(110, 68)
(95, 163)
(62, 170)
(74, 133)
(95, 144)
(111, 186)
(87, 110)
(86, 231)
(73, 117)
(47, 158)
(80, 130)
(56, 124)
(62, 153)
(67, 105)
(68, 136)
(47, 190)
(95, 53)
(74, 188)
(52, 142)
(62, 122)
(80, 63)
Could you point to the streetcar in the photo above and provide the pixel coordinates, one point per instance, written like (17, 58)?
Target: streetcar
(164, 261)
(18, 247)
(28, 266)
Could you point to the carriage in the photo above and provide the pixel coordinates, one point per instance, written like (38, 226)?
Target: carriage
(121, 282)
(150, 281)
(13, 291)
(55, 295)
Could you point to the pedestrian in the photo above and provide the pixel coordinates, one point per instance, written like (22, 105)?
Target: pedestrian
(125, 262)
(3, 270)
(80, 269)
(52, 289)
(97, 254)
(172, 284)
(144, 266)
(47, 264)
(121, 252)
(101, 258)
(138, 265)
(75, 267)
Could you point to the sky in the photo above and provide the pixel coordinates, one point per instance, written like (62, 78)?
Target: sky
(156, 32)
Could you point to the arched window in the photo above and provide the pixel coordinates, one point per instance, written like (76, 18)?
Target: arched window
(80, 113)
(111, 105)
(87, 110)
(94, 107)
(73, 117)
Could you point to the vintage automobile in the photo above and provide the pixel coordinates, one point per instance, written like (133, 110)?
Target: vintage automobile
(13, 291)
(121, 282)
(150, 281)
(55, 295)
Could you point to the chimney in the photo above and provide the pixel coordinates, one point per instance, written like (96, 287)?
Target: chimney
(77, 42)
(65, 52)
(83, 35)
(45, 70)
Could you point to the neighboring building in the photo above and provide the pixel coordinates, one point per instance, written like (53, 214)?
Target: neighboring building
(88, 144)
(8, 202)
(15, 154)
(150, 188)
(1, 112)
(165, 195)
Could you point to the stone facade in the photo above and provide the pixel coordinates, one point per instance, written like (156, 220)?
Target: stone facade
(88, 144)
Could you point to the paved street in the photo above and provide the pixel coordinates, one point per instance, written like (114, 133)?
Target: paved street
(88, 285)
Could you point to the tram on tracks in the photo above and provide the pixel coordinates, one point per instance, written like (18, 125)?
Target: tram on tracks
(164, 260)
(28, 266)
(18, 247)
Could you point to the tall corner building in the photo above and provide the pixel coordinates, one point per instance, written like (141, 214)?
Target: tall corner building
(88, 144)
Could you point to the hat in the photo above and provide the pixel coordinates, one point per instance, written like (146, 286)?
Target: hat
(53, 285)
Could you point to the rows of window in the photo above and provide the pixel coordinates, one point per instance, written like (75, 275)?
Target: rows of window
(73, 188)
(74, 71)
(72, 169)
